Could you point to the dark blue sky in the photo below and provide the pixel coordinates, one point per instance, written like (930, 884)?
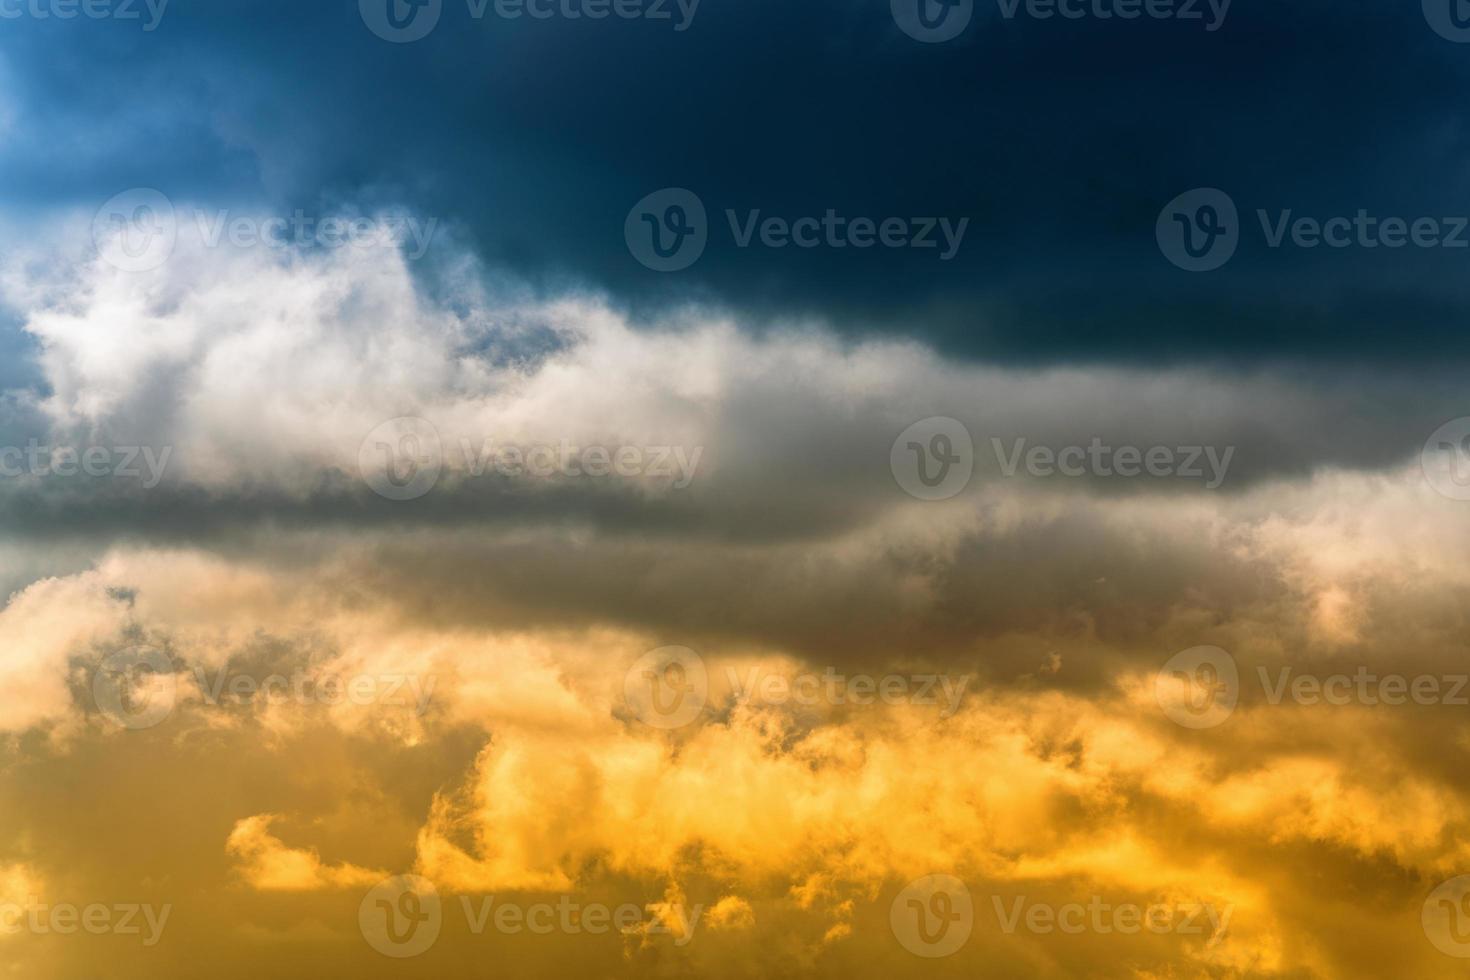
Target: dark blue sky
(1060, 141)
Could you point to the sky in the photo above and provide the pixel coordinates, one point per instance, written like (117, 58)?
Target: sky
(642, 488)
